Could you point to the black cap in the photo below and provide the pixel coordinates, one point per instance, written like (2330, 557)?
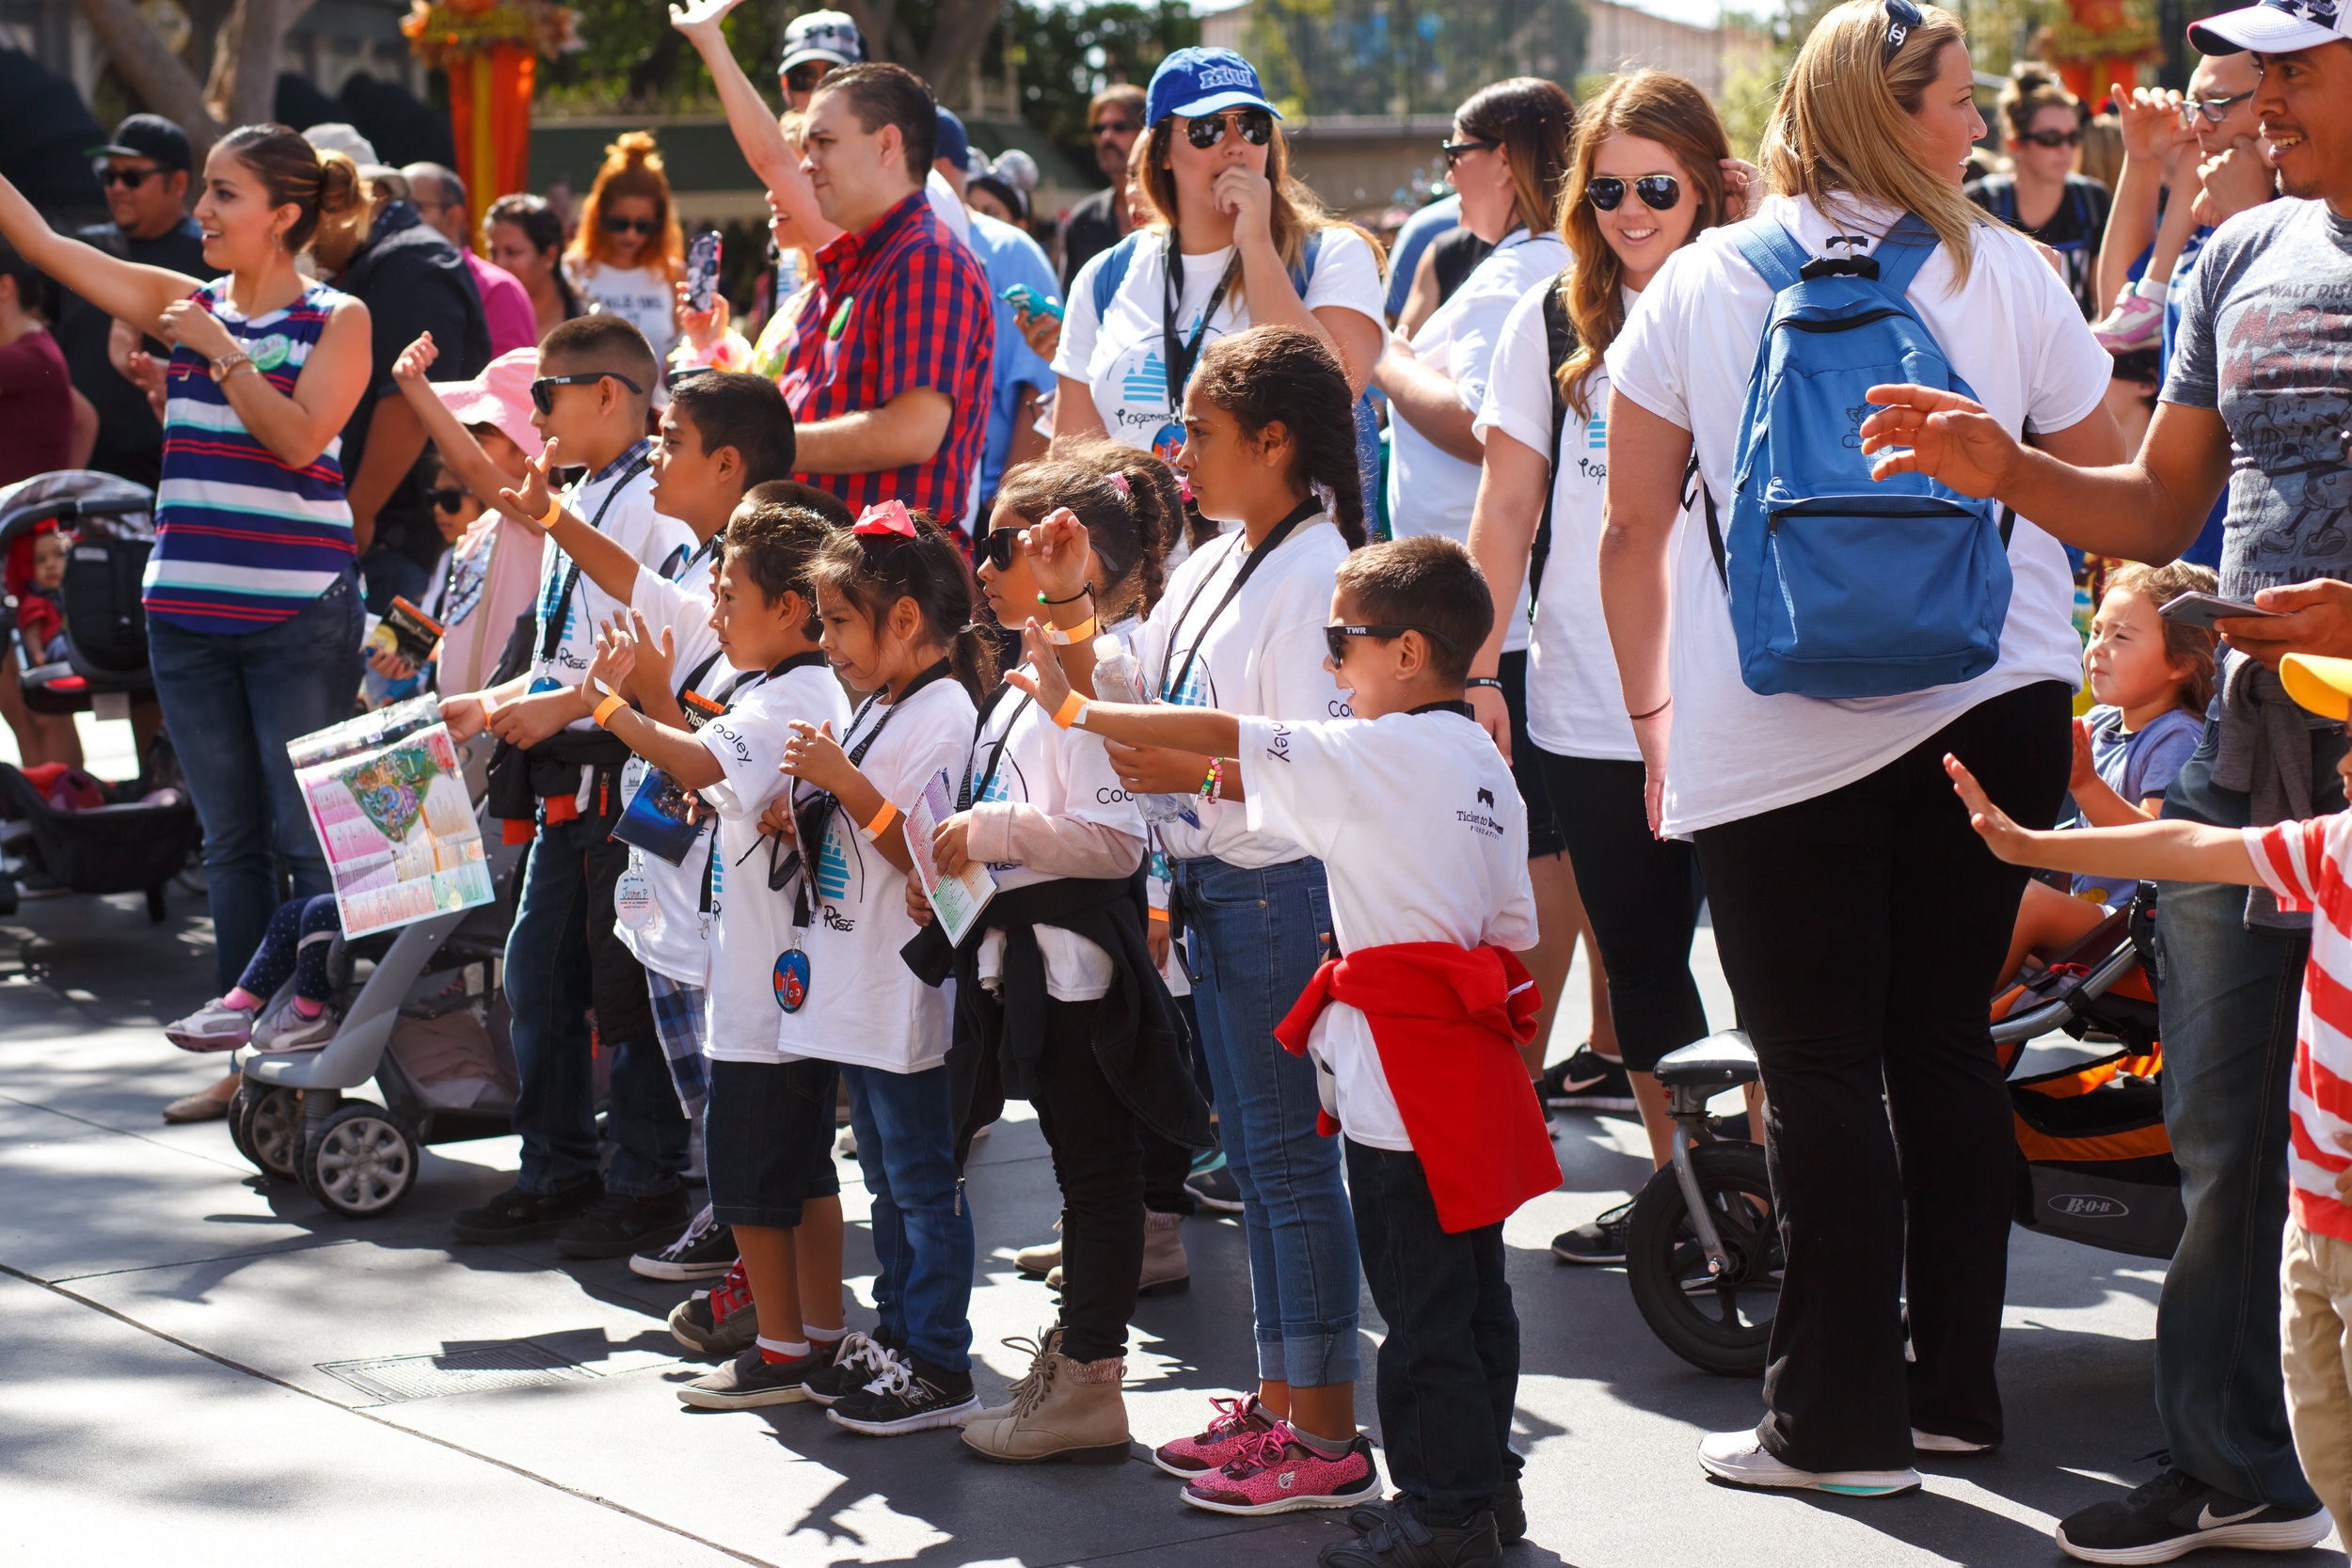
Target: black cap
(148, 136)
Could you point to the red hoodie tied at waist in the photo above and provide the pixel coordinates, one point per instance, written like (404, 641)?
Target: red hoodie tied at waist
(1448, 1022)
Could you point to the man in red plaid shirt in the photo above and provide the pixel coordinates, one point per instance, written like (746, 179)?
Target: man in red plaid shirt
(888, 379)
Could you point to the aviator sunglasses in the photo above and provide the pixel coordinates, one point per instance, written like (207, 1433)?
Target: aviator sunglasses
(1255, 125)
(1335, 637)
(1659, 192)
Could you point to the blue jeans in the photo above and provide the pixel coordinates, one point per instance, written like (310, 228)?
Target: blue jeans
(2227, 996)
(550, 987)
(1254, 939)
(922, 1225)
(231, 701)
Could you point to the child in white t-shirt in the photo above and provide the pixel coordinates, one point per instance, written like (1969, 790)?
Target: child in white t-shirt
(1414, 1030)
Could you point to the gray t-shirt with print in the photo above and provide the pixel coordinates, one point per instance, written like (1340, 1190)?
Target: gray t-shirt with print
(2266, 340)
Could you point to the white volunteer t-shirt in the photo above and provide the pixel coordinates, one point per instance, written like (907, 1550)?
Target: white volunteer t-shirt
(1121, 355)
(2013, 333)
(1575, 705)
(1424, 838)
(747, 742)
(1062, 773)
(1262, 654)
(865, 1006)
(1431, 490)
(639, 295)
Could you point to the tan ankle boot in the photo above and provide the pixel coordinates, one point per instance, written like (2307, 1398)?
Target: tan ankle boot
(1165, 1269)
(1042, 1259)
(1063, 1409)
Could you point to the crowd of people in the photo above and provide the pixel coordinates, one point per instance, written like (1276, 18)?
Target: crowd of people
(1316, 640)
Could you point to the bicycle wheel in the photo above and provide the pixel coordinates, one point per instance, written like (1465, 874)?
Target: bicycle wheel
(1720, 1323)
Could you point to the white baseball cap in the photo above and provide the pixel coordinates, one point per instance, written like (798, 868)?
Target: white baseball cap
(827, 36)
(2273, 27)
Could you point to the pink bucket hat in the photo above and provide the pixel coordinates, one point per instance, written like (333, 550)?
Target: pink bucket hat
(499, 397)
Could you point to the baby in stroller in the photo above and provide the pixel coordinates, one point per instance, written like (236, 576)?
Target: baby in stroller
(2152, 679)
(300, 943)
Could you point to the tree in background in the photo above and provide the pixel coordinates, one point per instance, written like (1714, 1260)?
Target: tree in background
(1066, 54)
(238, 42)
(1395, 57)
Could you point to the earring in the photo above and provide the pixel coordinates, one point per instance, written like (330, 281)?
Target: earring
(277, 240)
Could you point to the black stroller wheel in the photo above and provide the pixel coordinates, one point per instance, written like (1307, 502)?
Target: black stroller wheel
(265, 1124)
(361, 1164)
(1720, 1323)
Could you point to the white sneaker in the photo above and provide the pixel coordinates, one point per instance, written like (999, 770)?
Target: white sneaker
(284, 1029)
(215, 1026)
(1740, 1457)
(1928, 1442)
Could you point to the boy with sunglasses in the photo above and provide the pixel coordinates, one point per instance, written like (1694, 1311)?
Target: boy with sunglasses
(1414, 1026)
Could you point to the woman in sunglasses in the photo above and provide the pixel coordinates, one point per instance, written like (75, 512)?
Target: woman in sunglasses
(1240, 243)
(2042, 196)
(629, 255)
(1859, 926)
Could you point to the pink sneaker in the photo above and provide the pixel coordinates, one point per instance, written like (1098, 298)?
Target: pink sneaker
(1276, 1472)
(2134, 323)
(1235, 1424)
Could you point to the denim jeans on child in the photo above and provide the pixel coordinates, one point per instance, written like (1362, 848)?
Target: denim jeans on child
(231, 701)
(1255, 939)
(921, 1221)
(550, 986)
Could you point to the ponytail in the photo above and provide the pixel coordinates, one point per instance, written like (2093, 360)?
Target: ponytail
(1126, 500)
(874, 571)
(1287, 376)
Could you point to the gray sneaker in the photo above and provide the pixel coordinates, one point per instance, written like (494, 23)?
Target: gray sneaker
(282, 1028)
(215, 1026)
(750, 1380)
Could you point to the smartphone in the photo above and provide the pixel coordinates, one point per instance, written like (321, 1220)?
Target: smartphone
(1022, 297)
(702, 272)
(2204, 609)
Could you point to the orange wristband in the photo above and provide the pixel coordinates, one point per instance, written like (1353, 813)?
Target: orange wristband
(1159, 916)
(555, 510)
(1082, 632)
(883, 818)
(1071, 712)
(609, 706)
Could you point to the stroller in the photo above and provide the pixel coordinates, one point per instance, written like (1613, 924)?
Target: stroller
(128, 845)
(426, 1020)
(2095, 1164)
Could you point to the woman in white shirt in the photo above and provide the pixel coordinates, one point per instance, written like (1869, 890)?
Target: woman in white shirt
(1859, 927)
(1650, 171)
(628, 254)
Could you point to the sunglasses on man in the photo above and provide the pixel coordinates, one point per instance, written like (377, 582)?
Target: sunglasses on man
(129, 179)
(805, 77)
(543, 390)
(1102, 127)
(1255, 126)
(615, 224)
(1659, 192)
(1335, 637)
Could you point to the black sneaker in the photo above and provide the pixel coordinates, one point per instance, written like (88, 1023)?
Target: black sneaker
(908, 1395)
(516, 1215)
(1586, 1082)
(618, 1225)
(856, 1361)
(1214, 1187)
(1596, 1241)
(1394, 1536)
(1511, 1517)
(750, 1380)
(704, 1250)
(716, 1323)
(2175, 1515)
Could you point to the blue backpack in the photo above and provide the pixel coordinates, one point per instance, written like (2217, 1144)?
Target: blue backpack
(1841, 586)
(1113, 272)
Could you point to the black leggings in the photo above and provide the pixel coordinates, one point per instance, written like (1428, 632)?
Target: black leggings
(1098, 1160)
(1641, 894)
(1861, 931)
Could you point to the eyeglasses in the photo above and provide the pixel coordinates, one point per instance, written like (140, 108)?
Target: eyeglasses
(1901, 18)
(618, 225)
(1102, 127)
(1255, 125)
(129, 179)
(2215, 110)
(1456, 150)
(1659, 193)
(998, 545)
(805, 77)
(543, 390)
(2054, 138)
(1335, 637)
(448, 498)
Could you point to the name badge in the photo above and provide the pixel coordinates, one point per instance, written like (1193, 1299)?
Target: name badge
(792, 979)
(545, 683)
(632, 898)
(634, 776)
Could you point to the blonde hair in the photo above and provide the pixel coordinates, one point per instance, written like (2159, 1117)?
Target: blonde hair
(1844, 125)
(631, 167)
(1658, 106)
(1296, 211)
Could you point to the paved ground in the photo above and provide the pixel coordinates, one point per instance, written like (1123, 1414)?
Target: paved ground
(167, 1323)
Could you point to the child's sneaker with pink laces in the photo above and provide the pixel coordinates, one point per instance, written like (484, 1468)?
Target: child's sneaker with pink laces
(1274, 1472)
(1235, 1424)
(2134, 323)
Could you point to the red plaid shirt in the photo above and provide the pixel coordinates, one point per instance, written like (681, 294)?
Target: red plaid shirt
(901, 305)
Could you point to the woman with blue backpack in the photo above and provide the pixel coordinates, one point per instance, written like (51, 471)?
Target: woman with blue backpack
(1796, 661)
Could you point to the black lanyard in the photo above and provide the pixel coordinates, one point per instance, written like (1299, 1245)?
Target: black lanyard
(1460, 707)
(735, 688)
(1274, 538)
(552, 635)
(1177, 357)
(967, 797)
(811, 819)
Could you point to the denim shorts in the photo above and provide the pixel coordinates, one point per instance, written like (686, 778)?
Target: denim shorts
(769, 1141)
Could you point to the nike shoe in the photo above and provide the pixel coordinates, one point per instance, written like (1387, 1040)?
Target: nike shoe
(285, 1028)
(2175, 1515)
(1275, 1473)
(1586, 1082)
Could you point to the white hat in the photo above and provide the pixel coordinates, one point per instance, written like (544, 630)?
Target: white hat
(2273, 27)
(827, 36)
(336, 136)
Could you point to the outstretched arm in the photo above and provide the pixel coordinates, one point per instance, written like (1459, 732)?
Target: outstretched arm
(675, 752)
(608, 566)
(755, 130)
(461, 455)
(2168, 851)
(135, 293)
(1211, 732)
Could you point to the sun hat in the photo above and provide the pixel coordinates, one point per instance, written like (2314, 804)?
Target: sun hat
(1196, 81)
(499, 397)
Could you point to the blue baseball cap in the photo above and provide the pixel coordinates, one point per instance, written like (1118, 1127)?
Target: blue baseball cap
(952, 143)
(1195, 82)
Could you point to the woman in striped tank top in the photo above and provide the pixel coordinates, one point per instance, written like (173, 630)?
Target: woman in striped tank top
(253, 614)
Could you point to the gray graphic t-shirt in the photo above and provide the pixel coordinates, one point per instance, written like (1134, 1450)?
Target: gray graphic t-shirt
(2266, 340)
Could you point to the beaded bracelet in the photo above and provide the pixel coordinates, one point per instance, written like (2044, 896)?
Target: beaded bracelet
(1217, 771)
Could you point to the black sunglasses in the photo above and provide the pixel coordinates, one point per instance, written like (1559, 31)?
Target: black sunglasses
(2054, 138)
(1659, 193)
(998, 545)
(1456, 150)
(1901, 18)
(543, 390)
(804, 78)
(129, 179)
(2217, 109)
(1255, 125)
(1102, 127)
(1335, 637)
(618, 225)
(448, 498)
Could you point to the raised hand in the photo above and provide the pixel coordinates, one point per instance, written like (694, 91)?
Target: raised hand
(416, 359)
(814, 754)
(703, 328)
(1060, 555)
(1942, 435)
(656, 658)
(1041, 677)
(1248, 196)
(2153, 124)
(2085, 773)
(1743, 189)
(2237, 181)
(2312, 618)
(2005, 838)
(528, 501)
(700, 16)
(615, 657)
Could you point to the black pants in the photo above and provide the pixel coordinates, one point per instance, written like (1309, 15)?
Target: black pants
(1166, 1164)
(1448, 1369)
(1098, 1160)
(1861, 931)
(1641, 894)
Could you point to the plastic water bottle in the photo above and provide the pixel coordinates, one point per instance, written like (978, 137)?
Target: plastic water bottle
(1118, 679)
